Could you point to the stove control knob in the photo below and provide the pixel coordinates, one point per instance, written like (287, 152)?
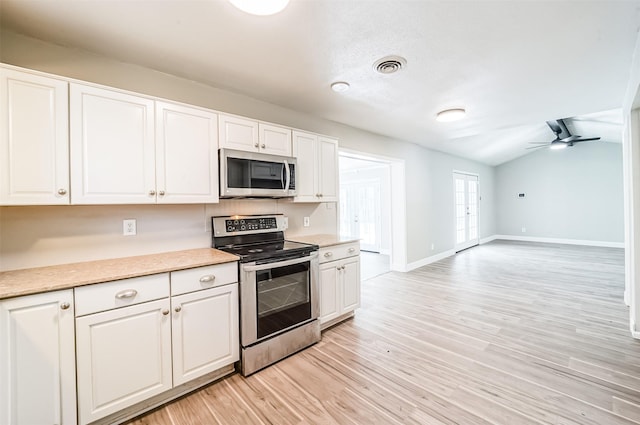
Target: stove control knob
(243, 227)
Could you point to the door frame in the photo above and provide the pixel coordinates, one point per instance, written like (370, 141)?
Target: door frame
(468, 245)
(398, 254)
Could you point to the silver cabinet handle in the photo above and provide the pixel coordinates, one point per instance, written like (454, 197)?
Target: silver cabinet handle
(127, 293)
(152, 192)
(161, 193)
(62, 191)
(257, 145)
(165, 312)
(65, 306)
(263, 146)
(352, 249)
(208, 278)
(178, 309)
(328, 254)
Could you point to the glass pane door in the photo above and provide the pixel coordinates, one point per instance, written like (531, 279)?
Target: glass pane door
(465, 188)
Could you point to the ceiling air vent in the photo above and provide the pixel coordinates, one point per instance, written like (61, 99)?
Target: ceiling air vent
(390, 64)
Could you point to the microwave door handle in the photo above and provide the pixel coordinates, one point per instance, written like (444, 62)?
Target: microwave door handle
(286, 166)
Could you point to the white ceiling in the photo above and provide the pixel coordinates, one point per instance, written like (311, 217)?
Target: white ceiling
(512, 64)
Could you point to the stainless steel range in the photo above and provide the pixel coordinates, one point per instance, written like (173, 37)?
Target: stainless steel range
(279, 302)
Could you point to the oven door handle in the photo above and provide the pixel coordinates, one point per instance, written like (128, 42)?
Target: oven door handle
(287, 175)
(265, 266)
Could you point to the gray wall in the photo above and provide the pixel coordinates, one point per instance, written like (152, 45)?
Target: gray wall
(573, 193)
(428, 173)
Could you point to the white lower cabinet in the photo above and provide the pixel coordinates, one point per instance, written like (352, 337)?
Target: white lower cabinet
(339, 283)
(205, 332)
(124, 357)
(37, 366)
(138, 338)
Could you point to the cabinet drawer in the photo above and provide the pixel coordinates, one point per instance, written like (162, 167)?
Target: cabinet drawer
(120, 293)
(190, 280)
(336, 252)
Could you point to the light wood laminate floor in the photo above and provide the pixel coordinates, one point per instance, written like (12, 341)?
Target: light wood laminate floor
(504, 333)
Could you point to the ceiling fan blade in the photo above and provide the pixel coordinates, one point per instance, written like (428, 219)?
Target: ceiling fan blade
(536, 147)
(538, 143)
(585, 140)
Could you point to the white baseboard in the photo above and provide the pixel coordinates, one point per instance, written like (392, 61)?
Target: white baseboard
(559, 241)
(488, 239)
(428, 260)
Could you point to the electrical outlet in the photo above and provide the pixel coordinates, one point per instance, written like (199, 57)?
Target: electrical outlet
(433, 246)
(129, 227)
(305, 222)
(524, 230)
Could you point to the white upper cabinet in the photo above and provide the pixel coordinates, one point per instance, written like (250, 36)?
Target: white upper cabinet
(186, 154)
(119, 156)
(238, 133)
(112, 147)
(317, 169)
(253, 136)
(275, 140)
(34, 139)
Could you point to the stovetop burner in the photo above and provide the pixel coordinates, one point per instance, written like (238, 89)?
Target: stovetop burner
(255, 238)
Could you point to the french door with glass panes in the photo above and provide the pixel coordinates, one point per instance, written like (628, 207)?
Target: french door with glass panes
(465, 187)
(360, 213)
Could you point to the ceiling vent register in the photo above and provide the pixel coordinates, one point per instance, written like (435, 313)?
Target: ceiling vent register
(390, 64)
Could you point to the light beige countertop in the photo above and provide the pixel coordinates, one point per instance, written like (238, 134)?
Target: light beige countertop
(322, 240)
(14, 283)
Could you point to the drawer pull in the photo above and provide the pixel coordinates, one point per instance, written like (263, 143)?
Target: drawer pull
(328, 254)
(207, 278)
(65, 306)
(128, 293)
(352, 249)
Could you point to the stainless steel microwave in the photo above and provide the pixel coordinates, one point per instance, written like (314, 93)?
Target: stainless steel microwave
(256, 175)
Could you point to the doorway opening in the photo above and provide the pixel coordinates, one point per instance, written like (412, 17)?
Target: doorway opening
(371, 211)
(465, 195)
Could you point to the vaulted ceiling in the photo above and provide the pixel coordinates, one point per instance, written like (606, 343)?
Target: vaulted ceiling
(511, 64)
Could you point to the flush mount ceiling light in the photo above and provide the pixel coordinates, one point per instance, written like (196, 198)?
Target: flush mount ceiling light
(260, 7)
(449, 115)
(558, 145)
(340, 86)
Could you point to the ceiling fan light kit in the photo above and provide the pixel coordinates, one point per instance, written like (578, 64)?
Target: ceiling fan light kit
(260, 7)
(449, 115)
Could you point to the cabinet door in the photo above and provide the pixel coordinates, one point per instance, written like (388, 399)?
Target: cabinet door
(37, 360)
(205, 332)
(34, 139)
(329, 292)
(350, 279)
(275, 140)
(112, 147)
(305, 151)
(186, 154)
(124, 357)
(328, 169)
(238, 133)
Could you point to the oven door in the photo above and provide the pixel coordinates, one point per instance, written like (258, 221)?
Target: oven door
(276, 296)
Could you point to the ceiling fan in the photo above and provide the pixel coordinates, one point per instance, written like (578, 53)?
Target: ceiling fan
(563, 137)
